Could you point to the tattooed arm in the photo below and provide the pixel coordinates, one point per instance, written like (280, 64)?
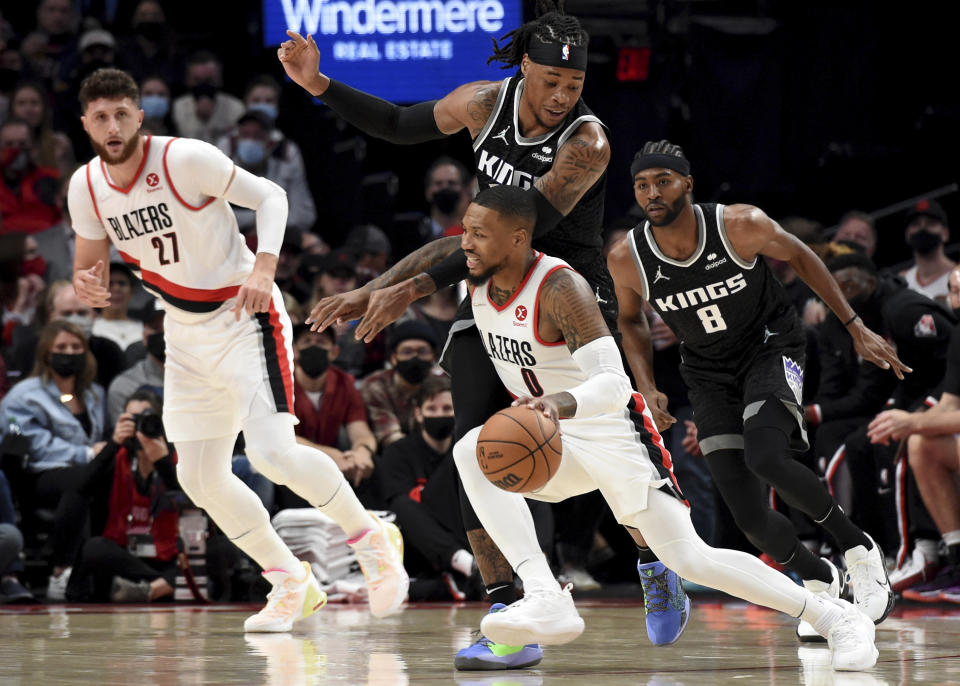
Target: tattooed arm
(569, 312)
(469, 106)
(579, 163)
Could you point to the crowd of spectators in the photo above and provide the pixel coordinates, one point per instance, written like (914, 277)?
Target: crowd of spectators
(88, 493)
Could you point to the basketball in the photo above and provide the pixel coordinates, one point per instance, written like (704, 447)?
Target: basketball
(519, 449)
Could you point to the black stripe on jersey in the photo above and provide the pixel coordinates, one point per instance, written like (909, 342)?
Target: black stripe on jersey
(271, 355)
(197, 306)
(656, 453)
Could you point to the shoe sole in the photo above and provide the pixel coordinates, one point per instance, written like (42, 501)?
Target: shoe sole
(860, 666)
(683, 627)
(477, 664)
(520, 636)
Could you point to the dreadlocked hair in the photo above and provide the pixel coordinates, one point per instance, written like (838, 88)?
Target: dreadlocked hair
(551, 25)
(661, 148)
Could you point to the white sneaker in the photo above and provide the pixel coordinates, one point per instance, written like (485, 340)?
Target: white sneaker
(868, 579)
(835, 589)
(380, 554)
(548, 617)
(851, 638)
(289, 601)
(580, 578)
(919, 568)
(57, 585)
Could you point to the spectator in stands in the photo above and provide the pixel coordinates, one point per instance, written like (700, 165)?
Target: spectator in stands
(27, 191)
(11, 545)
(859, 228)
(419, 482)
(153, 48)
(134, 559)
(147, 372)
(56, 244)
(798, 291)
(61, 302)
(331, 411)
(114, 321)
(389, 394)
(30, 103)
(438, 309)
(155, 102)
(446, 186)
(259, 148)
(372, 249)
(927, 232)
(60, 411)
(206, 112)
(21, 283)
(55, 38)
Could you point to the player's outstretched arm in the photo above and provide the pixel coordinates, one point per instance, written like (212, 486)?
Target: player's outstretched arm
(468, 106)
(753, 233)
(636, 331)
(568, 309)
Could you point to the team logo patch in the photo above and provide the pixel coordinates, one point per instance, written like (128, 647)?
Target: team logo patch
(521, 313)
(925, 327)
(152, 179)
(712, 256)
(565, 52)
(547, 149)
(793, 373)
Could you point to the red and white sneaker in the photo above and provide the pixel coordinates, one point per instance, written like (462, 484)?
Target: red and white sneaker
(917, 569)
(380, 554)
(289, 601)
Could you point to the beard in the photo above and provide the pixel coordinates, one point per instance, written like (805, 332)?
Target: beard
(483, 276)
(673, 211)
(126, 152)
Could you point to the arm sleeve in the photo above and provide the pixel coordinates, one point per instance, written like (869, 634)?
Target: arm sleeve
(607, 388)
(376, 117)
(450, 270)
(83, 213)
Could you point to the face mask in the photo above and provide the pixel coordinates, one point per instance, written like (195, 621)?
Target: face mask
(67, 364)
(439, 427)
(15, 160)
(414, 370)
(83, 321)
(924, 242)
(155, 106)
(35, 265)
(204, 90)
(268, 108)
(156, 346)
(153, 31)
(446, 200)
(314, 361)
(250, 152)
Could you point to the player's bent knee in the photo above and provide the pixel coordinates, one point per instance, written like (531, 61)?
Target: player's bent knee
(465, 451)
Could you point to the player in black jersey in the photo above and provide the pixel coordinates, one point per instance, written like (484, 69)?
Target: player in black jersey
(531, 130)
(742, 349)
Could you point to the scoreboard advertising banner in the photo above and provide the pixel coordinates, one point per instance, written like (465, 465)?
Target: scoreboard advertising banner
(399, 50)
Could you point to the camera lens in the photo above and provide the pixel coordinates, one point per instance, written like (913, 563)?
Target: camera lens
(149, 424)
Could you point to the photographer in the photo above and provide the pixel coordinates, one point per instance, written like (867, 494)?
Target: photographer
(130, 483)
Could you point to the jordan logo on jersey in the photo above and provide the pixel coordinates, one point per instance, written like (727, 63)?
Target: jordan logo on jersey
(149, 219)
(659, 275)
(503, 173)
(510, 350)
(693, 297)
(502, 135)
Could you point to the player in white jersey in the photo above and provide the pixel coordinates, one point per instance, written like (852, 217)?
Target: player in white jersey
(163, 202)
(551, 348)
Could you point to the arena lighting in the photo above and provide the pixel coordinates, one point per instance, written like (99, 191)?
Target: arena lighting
(633, 64)
(401, 50)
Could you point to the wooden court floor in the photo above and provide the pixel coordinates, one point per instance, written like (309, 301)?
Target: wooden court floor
(725, 643)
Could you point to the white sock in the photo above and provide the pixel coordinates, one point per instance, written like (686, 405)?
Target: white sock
(345, 509)
(462, 562)
(821, 613)
(952, 537)
(268, 550)
(536, 575)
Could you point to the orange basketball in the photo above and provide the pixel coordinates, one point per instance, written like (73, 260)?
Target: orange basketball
(519, 449)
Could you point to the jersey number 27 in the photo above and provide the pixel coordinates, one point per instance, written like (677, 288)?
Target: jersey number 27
(158, 243)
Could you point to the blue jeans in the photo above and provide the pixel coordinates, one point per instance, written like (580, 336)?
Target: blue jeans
(694, 478)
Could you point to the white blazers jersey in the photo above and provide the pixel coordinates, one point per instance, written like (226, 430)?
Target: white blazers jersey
(184, 245)
(526, 364)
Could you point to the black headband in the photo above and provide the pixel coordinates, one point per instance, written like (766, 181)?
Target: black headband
(678, 164)
(563, 55)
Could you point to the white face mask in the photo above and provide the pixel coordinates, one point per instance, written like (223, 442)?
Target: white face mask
(85, 322)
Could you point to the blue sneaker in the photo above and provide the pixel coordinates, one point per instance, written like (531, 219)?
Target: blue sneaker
(484, 654)
(665, 603)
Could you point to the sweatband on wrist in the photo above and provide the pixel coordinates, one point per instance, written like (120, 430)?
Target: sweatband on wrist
(607, 388)
(562, 55)
(377, 117)
(656, 160)
(450, 270)
(548, 216)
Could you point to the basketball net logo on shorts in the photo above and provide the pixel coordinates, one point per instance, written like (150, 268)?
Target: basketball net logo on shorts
(793, 373)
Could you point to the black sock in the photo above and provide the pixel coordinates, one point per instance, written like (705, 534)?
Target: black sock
(646, 555)
(844, 532)
(502, 592)
(807, 565)
(953, 555)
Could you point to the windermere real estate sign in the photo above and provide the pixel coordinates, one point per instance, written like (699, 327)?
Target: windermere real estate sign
(400, 50)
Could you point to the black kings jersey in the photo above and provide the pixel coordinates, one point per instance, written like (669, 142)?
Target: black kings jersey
(505, 157)
(721, 308)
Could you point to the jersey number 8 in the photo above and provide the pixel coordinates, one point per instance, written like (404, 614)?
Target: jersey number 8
(711, 319)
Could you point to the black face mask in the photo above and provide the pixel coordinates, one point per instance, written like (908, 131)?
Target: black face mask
(314, 361)
(439, 427)
(414, 370)
(153, 31)
(204, 90)
(156, 346)
(924, 242)
(67, 364)
(446, 200)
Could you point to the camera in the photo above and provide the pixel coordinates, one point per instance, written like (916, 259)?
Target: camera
(149, 423)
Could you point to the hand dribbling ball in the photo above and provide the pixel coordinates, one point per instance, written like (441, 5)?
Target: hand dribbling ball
(519, 449)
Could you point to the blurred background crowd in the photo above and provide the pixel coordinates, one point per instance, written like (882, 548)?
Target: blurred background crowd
(800, 111)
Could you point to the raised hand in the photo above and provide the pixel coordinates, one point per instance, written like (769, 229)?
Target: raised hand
(88, 283)
(300, 58)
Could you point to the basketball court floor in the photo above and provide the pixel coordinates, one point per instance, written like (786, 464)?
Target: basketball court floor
(725, 643)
